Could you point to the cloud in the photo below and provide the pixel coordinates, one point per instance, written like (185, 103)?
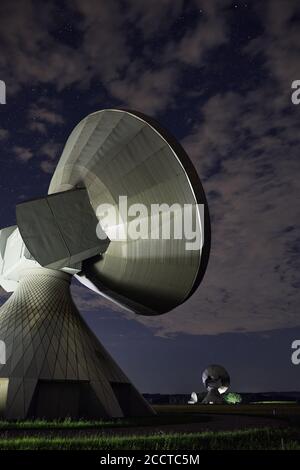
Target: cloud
(51, 150)
(47, 167)
(23, 154)
(279, 44)
(39, 117)
(105, 50)
(210, 31)
(151, 91)
(33, 54)
(153, 17)
(36, 126)
(153, 88)
(107, 35)
(4, 134)
(41, 114)
(30, 53)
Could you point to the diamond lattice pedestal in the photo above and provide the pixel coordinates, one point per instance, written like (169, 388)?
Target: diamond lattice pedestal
(55, 366)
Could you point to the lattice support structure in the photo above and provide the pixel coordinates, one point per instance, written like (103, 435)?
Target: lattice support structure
(213, 397)
(55, 366)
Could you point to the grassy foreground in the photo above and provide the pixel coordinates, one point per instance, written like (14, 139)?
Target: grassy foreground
(260, 409)
(254, 439)
(41, 424)
(60, 424)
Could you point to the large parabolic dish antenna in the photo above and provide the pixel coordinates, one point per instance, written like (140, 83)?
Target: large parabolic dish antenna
(216, 380)
(55, 367)
(113, 153)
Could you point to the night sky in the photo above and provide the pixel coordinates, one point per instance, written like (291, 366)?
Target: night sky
(218, 75)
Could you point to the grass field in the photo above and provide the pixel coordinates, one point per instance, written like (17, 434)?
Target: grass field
(255, 439)
(160, 419)
(166, 414)
(174, 427)
(261, 408)
(62, 424)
